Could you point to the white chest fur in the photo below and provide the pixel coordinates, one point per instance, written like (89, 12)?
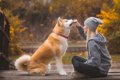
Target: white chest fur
(63, 47)
(63, 42)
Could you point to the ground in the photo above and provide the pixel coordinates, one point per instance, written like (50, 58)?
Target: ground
(114, 74)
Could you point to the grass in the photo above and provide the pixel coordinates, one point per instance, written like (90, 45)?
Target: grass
(116, 58)
(68, 56)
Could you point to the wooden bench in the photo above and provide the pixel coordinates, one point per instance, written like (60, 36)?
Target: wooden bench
(114, 74)
(76, 46)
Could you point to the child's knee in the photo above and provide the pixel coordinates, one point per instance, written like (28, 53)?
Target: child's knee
(75, 62)
(74, 59)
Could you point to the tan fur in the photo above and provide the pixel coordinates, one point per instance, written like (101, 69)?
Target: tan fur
(50, 49)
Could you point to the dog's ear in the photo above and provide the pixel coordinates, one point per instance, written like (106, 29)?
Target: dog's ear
(59, 21)
(58, 18)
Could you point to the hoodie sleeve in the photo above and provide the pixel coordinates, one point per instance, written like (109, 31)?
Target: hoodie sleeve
(81, 32)
(94, 57)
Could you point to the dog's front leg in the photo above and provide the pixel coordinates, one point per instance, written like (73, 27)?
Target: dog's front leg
(49, 67)
(59, 66)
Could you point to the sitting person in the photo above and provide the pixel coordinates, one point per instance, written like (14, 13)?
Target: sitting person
(99, 59)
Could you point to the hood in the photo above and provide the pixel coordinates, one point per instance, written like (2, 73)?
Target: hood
(99, 39)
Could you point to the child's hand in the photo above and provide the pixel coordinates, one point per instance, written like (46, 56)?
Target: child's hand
(77, 23)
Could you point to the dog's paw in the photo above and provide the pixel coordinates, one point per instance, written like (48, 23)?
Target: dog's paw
(62, 72)
(49, 67)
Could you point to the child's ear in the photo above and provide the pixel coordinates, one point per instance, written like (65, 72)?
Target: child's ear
(59, 21)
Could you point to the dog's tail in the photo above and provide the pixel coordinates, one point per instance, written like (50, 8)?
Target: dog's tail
(22, 63)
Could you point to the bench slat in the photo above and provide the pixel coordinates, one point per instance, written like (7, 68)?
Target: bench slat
(19, 75)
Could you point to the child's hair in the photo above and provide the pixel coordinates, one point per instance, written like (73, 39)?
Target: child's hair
(92, 23)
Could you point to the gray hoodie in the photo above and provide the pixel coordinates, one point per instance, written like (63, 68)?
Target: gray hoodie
(98, 54)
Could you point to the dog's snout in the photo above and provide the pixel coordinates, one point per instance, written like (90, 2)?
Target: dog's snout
(75, 20)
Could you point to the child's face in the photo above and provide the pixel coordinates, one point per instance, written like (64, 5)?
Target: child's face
(85, 29)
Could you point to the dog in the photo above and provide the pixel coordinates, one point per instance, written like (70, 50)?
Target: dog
(54, 47)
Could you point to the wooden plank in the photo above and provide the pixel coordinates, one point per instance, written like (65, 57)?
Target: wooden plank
(114, 74)
(12, 73)
(19, 75)
(105, 78)
(114, 70)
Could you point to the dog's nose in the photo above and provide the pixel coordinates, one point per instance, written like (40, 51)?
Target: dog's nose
(75, 20)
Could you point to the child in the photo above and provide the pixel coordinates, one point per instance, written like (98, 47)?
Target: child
(99, 59)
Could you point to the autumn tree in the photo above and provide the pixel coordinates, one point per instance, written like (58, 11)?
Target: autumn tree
(15, 25)
(33, 20)
(110, 15)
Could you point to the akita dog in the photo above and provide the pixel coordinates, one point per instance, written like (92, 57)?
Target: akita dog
(54, 47)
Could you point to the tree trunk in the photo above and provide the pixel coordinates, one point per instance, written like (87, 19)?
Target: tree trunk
(4, 42)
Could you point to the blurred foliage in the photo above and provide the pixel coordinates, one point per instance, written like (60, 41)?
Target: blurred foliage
(110, 15)
(15, 30)
(15, 27)
(33, 20)
(40, 18)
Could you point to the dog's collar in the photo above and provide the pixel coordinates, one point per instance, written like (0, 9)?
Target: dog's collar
(62, 35)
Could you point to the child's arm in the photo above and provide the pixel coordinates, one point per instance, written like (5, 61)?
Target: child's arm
(81, 31)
